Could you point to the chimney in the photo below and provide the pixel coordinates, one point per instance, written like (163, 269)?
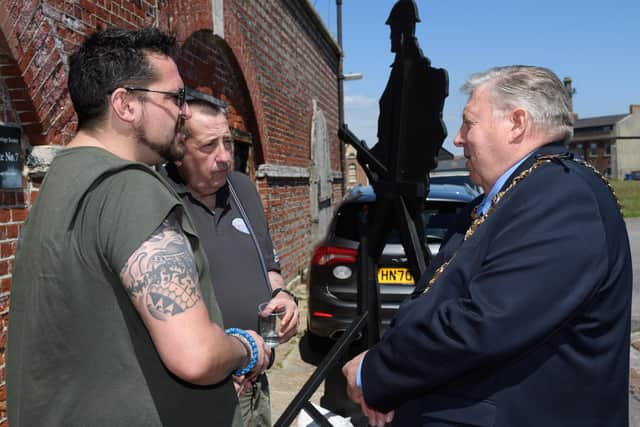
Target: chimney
(634, 108)
(570, 90)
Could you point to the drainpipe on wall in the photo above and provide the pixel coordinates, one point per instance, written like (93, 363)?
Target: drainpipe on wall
(340, 92)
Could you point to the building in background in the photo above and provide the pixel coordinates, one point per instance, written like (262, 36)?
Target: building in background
(610, 143)
(354, 173)
(273, 62)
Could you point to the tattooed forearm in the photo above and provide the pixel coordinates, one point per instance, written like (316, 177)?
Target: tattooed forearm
(162, 274)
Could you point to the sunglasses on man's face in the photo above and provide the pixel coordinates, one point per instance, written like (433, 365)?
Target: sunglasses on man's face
(179, 97)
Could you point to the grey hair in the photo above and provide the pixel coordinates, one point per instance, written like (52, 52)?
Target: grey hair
(205, 107)
(209, 107)
(536, 89)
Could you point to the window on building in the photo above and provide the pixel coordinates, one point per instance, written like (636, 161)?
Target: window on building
(242, 150)
(352, 174)
(593, 149)
(240, 156)
(578, 151)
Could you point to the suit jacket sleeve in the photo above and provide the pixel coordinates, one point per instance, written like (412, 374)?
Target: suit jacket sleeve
(499, 300)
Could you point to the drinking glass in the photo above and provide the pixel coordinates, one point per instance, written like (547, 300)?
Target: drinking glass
(269, 324)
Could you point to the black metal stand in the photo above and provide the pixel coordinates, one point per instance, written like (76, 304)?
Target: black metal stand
(410, 134)
(368, 322)
(301, 400)
(368, 301)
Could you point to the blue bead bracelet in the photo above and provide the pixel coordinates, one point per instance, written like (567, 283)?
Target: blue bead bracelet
(254, 350)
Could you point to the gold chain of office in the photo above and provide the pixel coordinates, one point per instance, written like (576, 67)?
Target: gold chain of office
(479, 219)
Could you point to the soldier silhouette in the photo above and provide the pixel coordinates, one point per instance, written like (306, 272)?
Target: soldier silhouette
(410, 126)
(410, 129)
(410, 134)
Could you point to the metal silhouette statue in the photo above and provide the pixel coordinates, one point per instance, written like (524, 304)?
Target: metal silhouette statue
(410, 134)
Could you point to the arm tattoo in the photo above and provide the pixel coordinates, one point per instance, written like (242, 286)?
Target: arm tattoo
(162, 272)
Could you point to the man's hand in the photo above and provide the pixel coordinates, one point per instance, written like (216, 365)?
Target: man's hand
(350, 371)
(244, 382)
(241, 384)
(291, 318)
(290, 322)
(263, 357)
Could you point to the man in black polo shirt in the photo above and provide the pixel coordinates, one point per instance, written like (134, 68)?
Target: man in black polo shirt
(230, 221)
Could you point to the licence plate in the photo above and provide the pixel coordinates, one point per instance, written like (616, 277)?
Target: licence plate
(395, 276)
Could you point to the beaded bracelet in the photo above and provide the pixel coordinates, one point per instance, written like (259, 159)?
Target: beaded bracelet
(254, 350)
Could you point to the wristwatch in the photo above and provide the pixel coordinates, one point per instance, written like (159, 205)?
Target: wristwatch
(286, 291)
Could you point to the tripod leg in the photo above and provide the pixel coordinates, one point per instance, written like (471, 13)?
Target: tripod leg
(316, 415)
(339, 349)
(412, 239)
(368, 293)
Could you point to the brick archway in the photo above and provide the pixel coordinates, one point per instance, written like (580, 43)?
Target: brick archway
(208, 63)
(36, 77)
(16, 106)
(218, 66)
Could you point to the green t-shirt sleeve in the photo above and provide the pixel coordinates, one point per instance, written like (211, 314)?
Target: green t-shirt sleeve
(132, 204)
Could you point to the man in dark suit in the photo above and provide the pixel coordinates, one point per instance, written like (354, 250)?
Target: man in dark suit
(523, 318)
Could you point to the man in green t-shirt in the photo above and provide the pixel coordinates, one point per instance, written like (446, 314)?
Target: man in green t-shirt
(113, 319)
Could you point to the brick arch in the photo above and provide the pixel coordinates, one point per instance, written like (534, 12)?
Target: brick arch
(16, 105)
(190, 20)
(33, 38)
(208, 63)
(238, 45)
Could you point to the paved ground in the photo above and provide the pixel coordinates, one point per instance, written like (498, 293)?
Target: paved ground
(290, 372)
(634, 381)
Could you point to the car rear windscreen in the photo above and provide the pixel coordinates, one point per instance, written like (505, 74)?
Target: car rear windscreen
(351, 219)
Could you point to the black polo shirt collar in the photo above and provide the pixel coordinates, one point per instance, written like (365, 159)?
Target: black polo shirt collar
(222, 195)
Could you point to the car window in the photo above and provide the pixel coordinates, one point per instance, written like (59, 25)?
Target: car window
(351, 220)
(451, 179)
(463, 180)
(437, 217)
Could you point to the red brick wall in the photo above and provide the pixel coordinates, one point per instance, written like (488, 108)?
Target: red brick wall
(286, 63)
(292, 65)
(290, 231)
(273, 61)
(13, 211)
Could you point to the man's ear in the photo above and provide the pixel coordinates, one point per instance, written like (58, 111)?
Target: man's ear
(518, 124)
(123, 106)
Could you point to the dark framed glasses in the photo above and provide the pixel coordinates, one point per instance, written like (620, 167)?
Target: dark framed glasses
(179, 96)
